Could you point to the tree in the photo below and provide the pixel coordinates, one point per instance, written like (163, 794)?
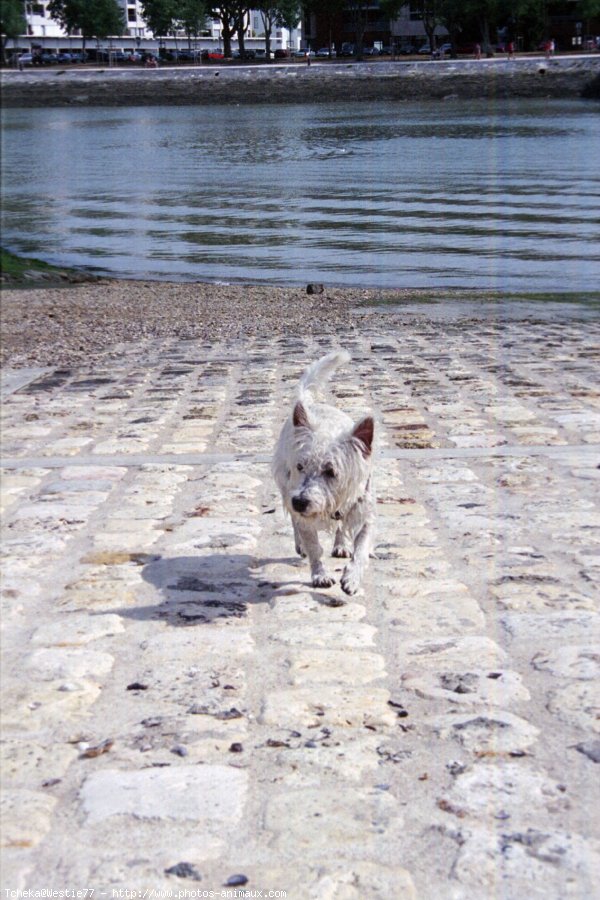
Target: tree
(242, 14)
(12, 23)
(159, 15)
(227, 14)
(359, 17)
(268, 14)
(94, 18)
(288, 15)
(431, 15)
(191, 16)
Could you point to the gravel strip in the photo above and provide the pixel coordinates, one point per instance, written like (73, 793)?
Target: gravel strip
(74, 325)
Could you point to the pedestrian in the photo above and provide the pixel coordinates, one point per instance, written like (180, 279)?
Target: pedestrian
(477, 51)
(308, 57)
(547, 47)
(510, 50)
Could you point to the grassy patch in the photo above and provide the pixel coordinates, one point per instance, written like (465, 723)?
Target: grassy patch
(25, 270)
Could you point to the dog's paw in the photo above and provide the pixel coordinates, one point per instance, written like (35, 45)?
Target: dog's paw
(350, 581)
(341, 552)
(322, 580)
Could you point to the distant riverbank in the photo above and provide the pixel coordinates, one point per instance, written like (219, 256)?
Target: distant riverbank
(560, 77)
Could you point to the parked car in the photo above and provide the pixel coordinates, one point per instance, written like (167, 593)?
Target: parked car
(370, 51)
(187, 55)
(281, 53)
(25, 59)
(407, 50)
(49, 59)
(347, 50)
(246, 54)
(213, 55)
(385, 51)
(262, 54)
(441, 51)
(326, 53)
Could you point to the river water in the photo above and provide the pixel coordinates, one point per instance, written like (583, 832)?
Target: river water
(459, 194)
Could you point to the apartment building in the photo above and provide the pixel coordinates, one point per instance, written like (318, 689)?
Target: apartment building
(44, 31)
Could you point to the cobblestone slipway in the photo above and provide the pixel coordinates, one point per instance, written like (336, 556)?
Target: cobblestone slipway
(182, 709)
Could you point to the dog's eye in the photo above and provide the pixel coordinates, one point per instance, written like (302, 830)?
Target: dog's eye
(329, 472)
(300, 467)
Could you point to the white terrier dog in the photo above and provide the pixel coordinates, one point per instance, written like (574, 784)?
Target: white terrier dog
(322, 466)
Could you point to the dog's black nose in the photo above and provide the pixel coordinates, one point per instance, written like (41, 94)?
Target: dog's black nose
(299, 504)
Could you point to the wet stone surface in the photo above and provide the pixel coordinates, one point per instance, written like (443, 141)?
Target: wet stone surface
(180, 705)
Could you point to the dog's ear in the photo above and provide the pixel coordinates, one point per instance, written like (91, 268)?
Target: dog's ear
(363, 432)
(300, 417)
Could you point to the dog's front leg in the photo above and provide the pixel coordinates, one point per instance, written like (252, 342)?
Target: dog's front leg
(341, 548)
(298, 540)
(353, 573)
(309, 540)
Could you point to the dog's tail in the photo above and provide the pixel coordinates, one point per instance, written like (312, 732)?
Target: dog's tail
(320, 371)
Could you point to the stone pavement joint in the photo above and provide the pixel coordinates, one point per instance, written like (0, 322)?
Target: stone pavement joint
(179, 703)
(203, 459)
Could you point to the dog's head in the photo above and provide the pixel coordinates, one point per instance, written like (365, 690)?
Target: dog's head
(325, 475)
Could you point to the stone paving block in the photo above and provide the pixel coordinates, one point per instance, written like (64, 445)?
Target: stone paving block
(344, 824)
(76, 630)
(53, 663)
(315, 755)
(578, 704)
(26, 817)
(25, 763)
(561, 626)
(454, 654)
(328, 705)
(536, 862)
(331, 634)
(506, 790)
(581, 661)
(449, 613)
(313, 666)
(353, 881)
(47, 705)
(209, 796)
(486, 733)
(289, 603)
(470, 686)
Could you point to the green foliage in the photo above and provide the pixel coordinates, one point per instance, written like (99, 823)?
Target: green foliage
(12, 23)
(159, 15)
(191, 15)
(95, 18)
(590, 9)
(289, 13)
(12, 20)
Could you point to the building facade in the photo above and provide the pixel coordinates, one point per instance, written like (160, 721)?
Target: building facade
(44, 31)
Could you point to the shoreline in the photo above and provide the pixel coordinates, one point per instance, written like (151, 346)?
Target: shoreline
(77, 324)
(528, 77)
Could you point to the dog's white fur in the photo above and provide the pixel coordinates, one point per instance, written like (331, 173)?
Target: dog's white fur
(322, 466)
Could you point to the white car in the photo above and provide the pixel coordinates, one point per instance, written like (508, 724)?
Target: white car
(324, 52)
